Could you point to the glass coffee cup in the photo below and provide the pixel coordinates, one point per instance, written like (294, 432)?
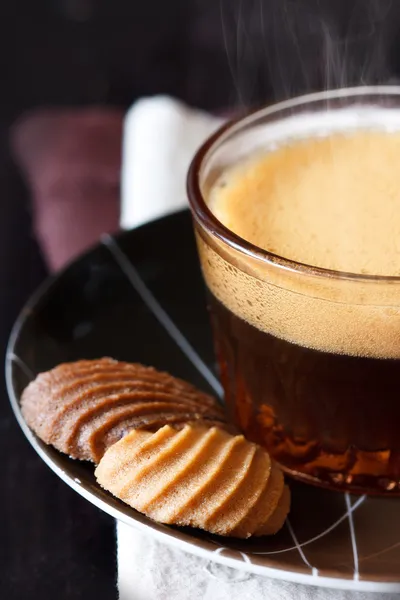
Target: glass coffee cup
(309, 355)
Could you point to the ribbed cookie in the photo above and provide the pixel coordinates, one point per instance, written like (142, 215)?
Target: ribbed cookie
(204, 478)
(81, 408)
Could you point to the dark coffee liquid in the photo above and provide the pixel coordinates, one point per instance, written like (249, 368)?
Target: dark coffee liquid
(324, 417)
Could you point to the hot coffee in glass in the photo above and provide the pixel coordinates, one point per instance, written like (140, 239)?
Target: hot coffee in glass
(297, 218)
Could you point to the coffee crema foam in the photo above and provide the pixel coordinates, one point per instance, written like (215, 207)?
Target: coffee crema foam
(331, 202)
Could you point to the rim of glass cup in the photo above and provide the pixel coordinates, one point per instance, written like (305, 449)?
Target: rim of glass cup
(204, 216)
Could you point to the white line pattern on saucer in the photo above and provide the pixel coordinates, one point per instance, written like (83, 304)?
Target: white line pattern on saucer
(22, 365)
(352, 536)
(246, 557)
(379, 552)
(314, 571)
(164, 319)
(320, 535)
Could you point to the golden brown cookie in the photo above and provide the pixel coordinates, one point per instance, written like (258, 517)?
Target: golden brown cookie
(84, 407)
(200, 477)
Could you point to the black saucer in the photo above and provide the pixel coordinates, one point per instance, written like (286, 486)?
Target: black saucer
(140, 297)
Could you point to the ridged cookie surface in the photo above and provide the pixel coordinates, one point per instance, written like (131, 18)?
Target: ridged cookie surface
(84, 407)
(200, 477)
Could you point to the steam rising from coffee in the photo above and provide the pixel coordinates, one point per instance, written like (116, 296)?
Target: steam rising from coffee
(281, 48)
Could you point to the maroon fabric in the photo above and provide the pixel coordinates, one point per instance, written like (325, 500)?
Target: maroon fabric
(72, 162)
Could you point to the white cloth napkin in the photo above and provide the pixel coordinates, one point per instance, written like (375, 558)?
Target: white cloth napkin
(160, 138)
(149, 570)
